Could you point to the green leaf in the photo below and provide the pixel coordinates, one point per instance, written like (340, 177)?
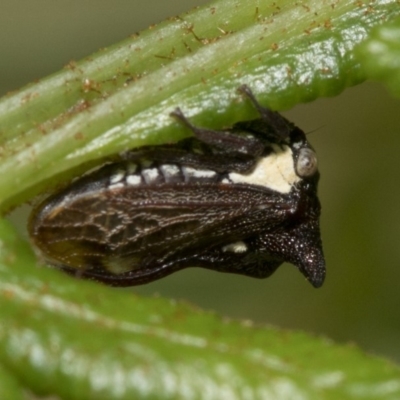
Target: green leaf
(9, 386)
(74, 339)
(380, 55)
(287, 52)
(80, 340)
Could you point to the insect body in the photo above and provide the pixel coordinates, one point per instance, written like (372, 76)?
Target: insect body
(242, 200)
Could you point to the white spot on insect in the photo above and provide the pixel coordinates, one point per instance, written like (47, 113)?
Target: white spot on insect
(117, 177)
(275, 171)
(133, 180)
(297, 145)
(190, 172)
(264, 206)
(116, 186)
(237, 247)
(117, 266)
(169, 171)
(150, 175)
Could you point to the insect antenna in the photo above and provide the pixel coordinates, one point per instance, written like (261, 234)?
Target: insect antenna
(281, 127)
(247, 146)
(314, 130)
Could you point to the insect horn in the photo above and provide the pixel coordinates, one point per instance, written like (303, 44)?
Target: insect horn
(281, 127)
(310, 256)
(313, 268)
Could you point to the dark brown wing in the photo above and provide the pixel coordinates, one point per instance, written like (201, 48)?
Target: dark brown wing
(135, 224)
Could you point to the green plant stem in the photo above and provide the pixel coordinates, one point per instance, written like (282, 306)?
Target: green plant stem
(10, 388)
(379, 55)
(121, 97)
(80, 340)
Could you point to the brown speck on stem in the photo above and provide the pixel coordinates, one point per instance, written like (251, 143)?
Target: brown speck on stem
(190, 29)
(79, 136)
(171, 56)
(72, 65)
(326, 70)
(274, 46)
(187, 47)
(90, 85)
(224, 32)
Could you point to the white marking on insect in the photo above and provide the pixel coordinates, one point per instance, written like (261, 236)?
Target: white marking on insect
(117, 177)
(237, 247)
(117, 185)
(264, 206)
(297, 145)
(190, 172)
(118, 266)
(169, 171)
(150, 175)
(133, 180)
(275, 171)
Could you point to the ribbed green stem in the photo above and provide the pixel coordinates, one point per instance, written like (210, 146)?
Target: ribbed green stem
(121, 97)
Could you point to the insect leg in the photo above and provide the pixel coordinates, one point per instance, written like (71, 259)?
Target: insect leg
(279, 125)
(252, 264)
(173, 155)
(226, 141)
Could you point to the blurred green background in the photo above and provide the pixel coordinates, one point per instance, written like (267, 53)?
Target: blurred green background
(357, 139)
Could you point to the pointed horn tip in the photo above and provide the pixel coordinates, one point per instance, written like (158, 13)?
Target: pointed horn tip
(315, 275)
(317, 280)
(312, 265)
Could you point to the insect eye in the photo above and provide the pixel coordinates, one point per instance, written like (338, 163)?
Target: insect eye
(306, 163)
